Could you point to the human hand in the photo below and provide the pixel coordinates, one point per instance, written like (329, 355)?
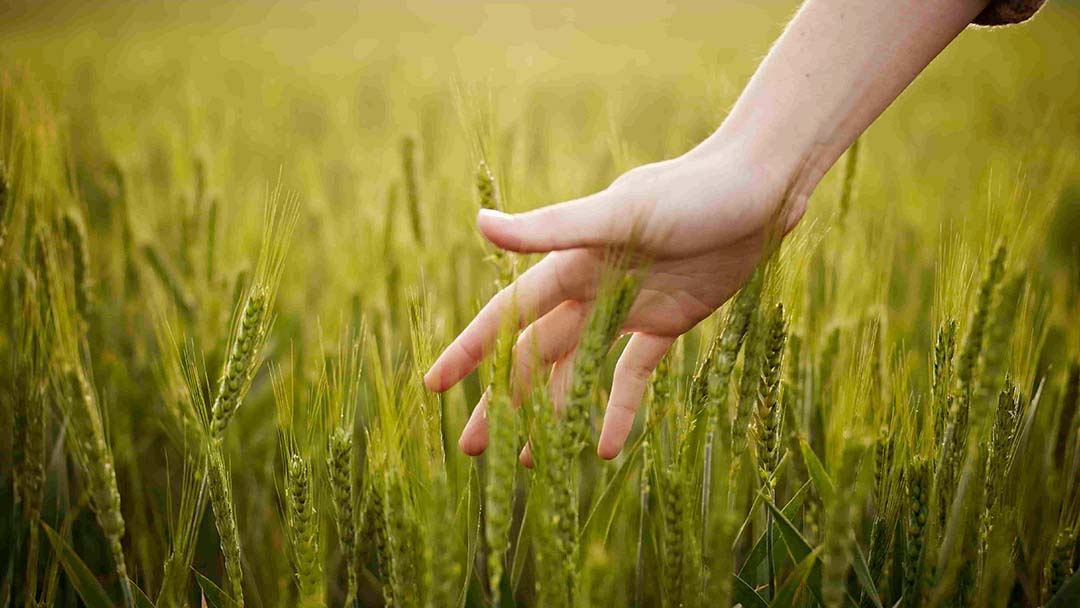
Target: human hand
(700, 221)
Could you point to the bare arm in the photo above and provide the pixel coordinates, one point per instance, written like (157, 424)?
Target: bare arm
(834, 70)
(705, 214)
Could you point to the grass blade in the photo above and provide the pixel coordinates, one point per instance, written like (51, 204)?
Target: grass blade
(1069, 595)
(141, 601)
(795, 583)
(82, 579)
(820, 477)
(214, 595)
(862, 572)
(744, 594)
(757, 553)
(797, 545)
(603, 512)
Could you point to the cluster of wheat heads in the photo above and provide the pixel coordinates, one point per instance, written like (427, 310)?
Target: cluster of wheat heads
(796, 450)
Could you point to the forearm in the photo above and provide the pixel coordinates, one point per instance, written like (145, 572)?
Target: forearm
(834, 70)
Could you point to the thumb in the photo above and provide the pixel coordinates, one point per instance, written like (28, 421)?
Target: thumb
(584, 222)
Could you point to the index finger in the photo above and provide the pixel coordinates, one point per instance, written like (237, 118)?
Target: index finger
(558, 277)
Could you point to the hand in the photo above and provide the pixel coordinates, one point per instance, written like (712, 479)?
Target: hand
(703, 218)
(700, 220)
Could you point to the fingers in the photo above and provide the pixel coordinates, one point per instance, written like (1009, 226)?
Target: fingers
(547, 340)
(585, 222)
(474, 437)
(550, 338)
(640, 357)
(558, 387)
(558, 277)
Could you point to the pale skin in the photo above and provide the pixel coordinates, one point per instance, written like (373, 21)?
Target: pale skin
(702, 218)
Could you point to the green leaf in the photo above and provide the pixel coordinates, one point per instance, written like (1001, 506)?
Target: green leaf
(744, 594)
(472, 517)
(141, 601)
(817, 471)
(1068, 595)
(214, 595)
(82, 579)
(757, 553)
(862, 572)
(795, 583)
(521, 548)
(598, 525)
(797, 545)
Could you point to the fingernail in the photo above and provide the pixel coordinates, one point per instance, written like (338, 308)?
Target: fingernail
(430, 380)
(492, 216)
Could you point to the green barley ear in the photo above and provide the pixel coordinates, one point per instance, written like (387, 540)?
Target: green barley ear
(767, 417)
(768, 412)
(747, 398)
(717, 371)
(342, 387)
(28, 458)
(614, 298)
(487, 194)
(443, 549)
(999, 332)
(220, 484)
(218, 478)
(1002, 434)
(403, 542)
(410, 175)
(501, 461)
(918, 516)
(302, 523)
(255, 319)
(74, 389)
(972, 347)
(944, 351)
(301, 518)
(75, 236)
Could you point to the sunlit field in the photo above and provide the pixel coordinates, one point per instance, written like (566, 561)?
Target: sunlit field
(233, 236)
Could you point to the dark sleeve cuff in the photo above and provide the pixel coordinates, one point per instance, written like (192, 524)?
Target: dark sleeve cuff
(1002, 12)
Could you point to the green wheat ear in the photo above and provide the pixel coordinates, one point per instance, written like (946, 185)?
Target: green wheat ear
(75, 236)
(342, 387)
(501, 460)
(301, 518)
(255, 319)
(487, 194)
(218, 477)
(972, 347)
(768, 411)
(918, 516)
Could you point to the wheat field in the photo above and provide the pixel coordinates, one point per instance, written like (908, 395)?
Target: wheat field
(233, 236)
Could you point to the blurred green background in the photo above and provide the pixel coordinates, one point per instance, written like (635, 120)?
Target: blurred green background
(560, 98)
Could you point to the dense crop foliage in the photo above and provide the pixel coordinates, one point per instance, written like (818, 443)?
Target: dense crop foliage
(230, 247)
